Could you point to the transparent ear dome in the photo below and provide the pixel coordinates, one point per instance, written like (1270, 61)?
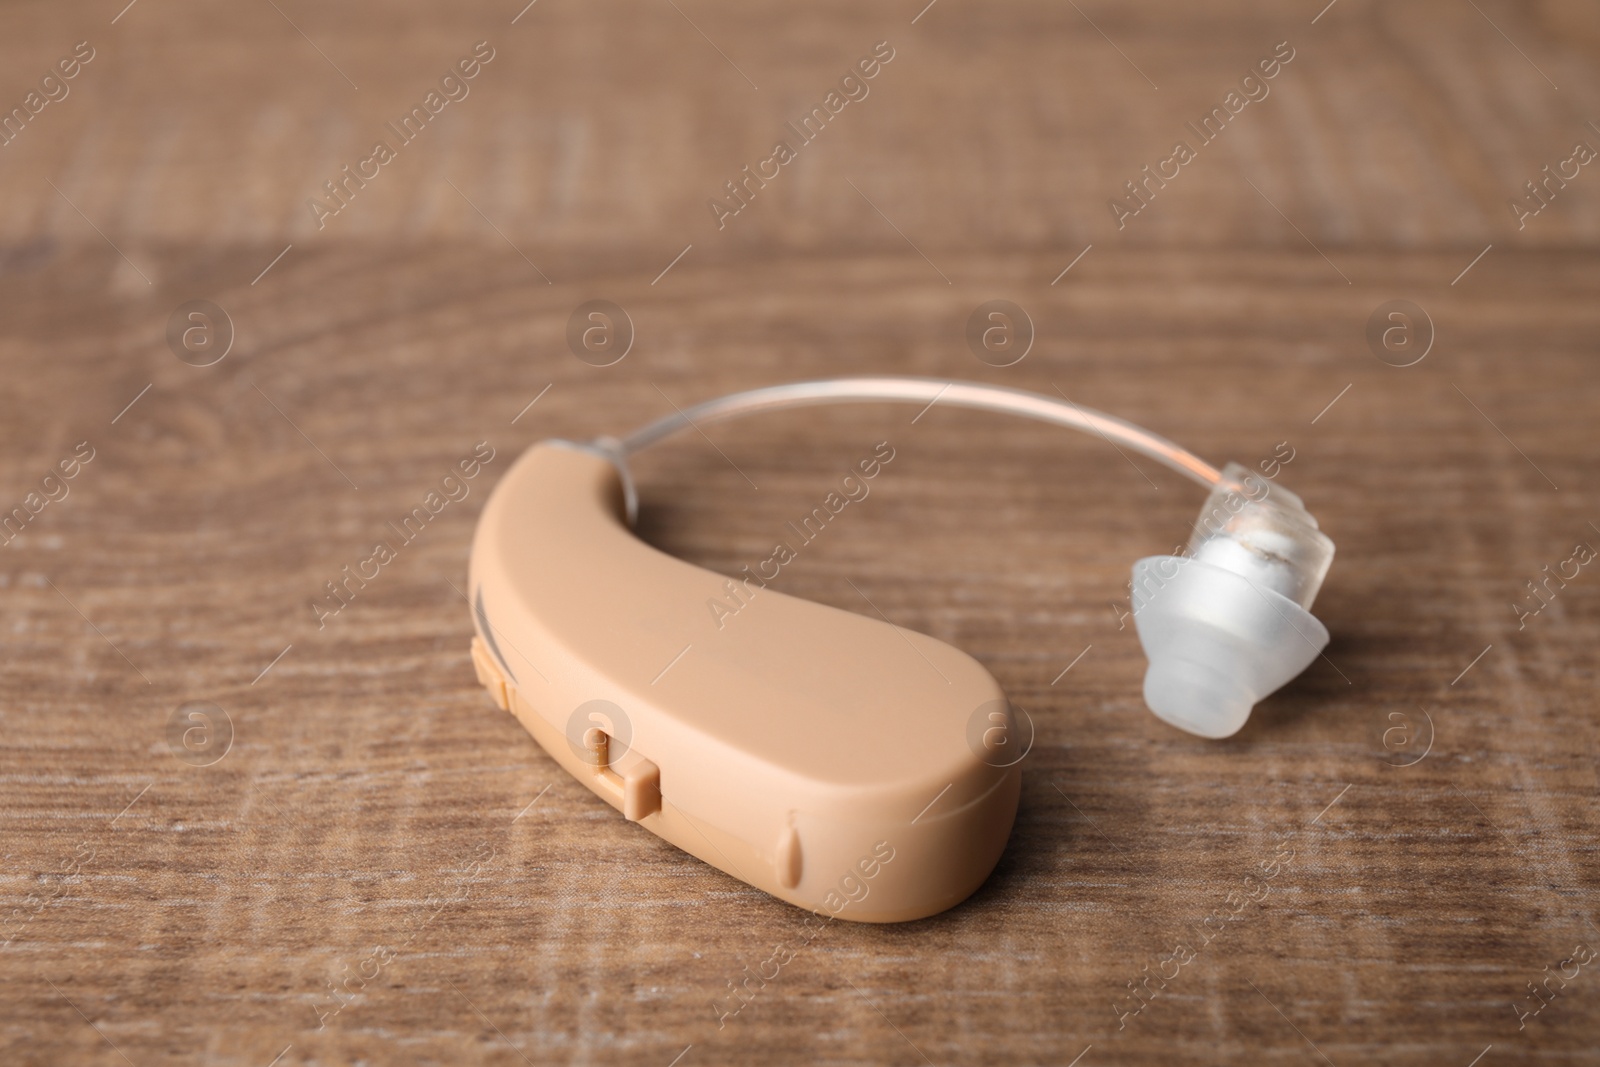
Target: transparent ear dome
(1229, 622)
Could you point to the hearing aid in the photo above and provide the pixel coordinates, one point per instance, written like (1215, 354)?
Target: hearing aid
(830, 759)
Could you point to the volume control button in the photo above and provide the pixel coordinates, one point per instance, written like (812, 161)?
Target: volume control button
(641, 790)
(489, 675)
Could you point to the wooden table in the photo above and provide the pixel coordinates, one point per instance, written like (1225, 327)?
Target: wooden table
(382, 868)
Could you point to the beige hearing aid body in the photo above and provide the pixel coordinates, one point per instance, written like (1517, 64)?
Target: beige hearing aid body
(835, 761)
(832, 760)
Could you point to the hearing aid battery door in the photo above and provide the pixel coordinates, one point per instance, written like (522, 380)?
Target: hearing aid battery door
(832, 760)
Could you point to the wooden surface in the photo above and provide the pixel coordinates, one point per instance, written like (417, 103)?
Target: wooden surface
(1428, 789)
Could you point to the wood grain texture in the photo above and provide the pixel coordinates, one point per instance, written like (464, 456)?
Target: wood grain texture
(377, 824)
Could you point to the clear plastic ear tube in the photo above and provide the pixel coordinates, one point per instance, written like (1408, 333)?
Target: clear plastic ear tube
(927, 391)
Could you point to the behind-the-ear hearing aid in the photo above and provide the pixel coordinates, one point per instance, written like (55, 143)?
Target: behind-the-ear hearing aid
(834, 760)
